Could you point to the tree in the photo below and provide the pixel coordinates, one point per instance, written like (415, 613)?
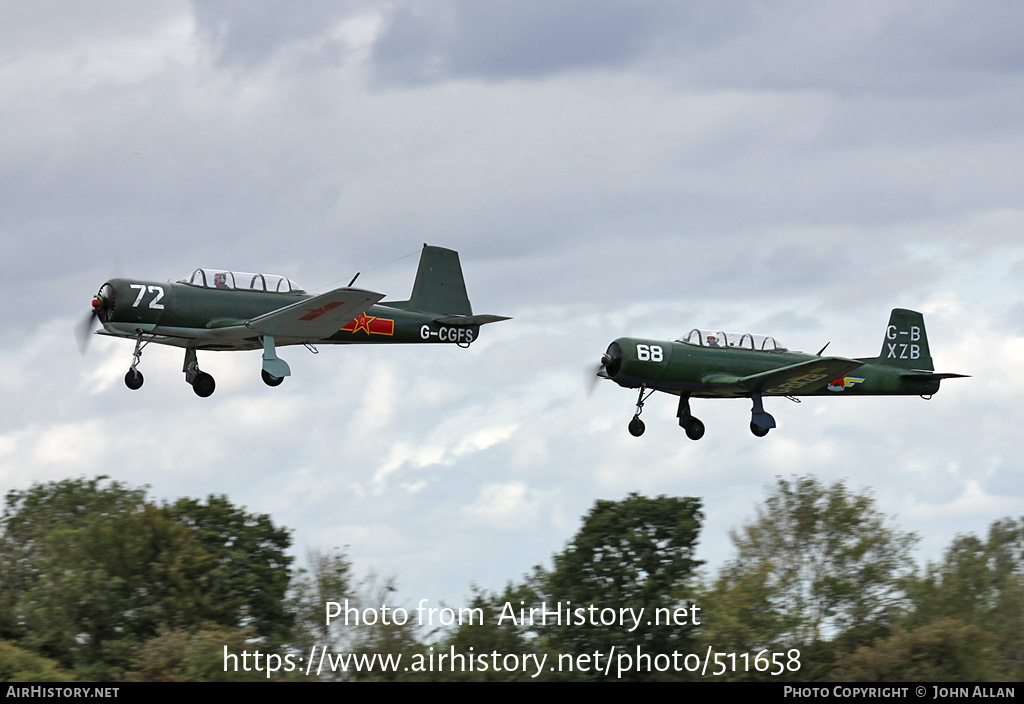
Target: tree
(947, 650)
(251, 571)
(195, 655)
(818, 568)
(91, 570)
(636, 554)
(20, 665)
(980, 583)
(386, 638)
(327, 578)
(487, 634)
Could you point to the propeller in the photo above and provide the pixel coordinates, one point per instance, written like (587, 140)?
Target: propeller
(611, 361)
(591, 375)
(102, 310)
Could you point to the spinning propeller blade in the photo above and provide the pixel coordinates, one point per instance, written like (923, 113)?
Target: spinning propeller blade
(102, 309)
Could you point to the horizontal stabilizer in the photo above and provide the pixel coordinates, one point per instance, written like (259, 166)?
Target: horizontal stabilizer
(935, 376)
(315, 318)
(457, 320)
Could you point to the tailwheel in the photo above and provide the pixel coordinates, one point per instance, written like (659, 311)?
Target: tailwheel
(270, 379)
(133, 379)
(758, 430)
(203, 384)
(636, 427)
(694, 429)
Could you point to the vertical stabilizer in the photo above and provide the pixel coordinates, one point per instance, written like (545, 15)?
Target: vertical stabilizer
(906, 344)
(439, 286)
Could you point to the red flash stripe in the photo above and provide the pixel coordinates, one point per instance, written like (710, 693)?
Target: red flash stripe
(315, 313)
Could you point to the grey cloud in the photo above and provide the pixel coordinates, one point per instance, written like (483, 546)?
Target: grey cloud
(527, 39)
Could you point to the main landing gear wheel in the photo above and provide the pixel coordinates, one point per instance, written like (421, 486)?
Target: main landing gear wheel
(694, 429)
(758, 430)
(203, 384)
(133, 379)
(270, 379)
(636, 427)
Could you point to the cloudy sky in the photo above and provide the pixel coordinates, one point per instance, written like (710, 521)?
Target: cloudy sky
(603, 168)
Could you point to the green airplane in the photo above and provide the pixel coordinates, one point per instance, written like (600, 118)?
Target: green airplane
(715, 364)
(217, 309)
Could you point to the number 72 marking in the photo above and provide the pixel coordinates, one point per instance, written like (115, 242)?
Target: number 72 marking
(154, 302)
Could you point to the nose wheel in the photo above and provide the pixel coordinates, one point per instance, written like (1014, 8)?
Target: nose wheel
(133, 379)
(636, 426)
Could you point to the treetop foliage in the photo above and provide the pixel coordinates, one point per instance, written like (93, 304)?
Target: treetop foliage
(90, 569)
(99, 582)
(819, 560)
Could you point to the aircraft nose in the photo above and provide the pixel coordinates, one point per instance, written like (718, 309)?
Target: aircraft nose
(102, 309)
(612, 360)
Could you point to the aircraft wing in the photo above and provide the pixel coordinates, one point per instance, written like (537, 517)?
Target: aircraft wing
(315, 318)
(803, 378)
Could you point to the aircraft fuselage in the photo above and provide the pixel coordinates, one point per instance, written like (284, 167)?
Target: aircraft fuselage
(702, 372)
(189, 316)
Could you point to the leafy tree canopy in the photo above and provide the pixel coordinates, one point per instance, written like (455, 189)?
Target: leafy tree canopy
(637, 553)
(818, 563)
(90, 569)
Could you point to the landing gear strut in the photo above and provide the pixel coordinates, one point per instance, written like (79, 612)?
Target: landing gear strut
(275, 369)
(636, 426)
(694, 427)
(133, 379)
(202, 383)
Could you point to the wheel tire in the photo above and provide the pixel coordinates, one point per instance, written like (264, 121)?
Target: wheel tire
(636, 427)
(133, 379)
(270, 379)
(695, 429)
(758, 430)
(203, 385)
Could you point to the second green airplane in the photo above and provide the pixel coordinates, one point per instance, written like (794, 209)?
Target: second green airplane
(715, 364)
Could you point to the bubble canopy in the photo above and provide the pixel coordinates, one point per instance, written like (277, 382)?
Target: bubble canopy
(241, 281)
(717, 338)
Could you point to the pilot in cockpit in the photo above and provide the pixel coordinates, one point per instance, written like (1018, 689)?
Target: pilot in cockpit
(713, 341)
(220, 280)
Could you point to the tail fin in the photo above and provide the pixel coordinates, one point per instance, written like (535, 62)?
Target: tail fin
(906, 344)
(439, 286)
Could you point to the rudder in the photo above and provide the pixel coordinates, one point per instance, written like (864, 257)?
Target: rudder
(439, 286)
(905, 344)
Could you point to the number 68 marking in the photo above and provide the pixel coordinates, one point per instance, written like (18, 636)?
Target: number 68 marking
(649, 353)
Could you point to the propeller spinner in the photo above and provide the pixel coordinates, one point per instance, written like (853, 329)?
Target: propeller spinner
(611, 362)
(102, 309)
